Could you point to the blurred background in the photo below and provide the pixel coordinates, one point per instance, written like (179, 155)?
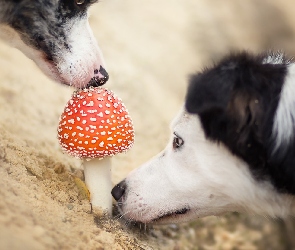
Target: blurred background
(151, 47)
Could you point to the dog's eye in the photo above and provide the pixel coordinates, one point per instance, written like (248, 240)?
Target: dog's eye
(80, 2)
(177, 142)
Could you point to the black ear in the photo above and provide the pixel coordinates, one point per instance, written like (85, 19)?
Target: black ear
(245, 115)
(225, 101)
(209, 91)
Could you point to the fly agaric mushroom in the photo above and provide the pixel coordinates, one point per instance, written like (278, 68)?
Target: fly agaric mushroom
(95, 125)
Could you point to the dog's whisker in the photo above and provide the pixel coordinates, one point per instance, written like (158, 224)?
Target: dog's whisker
(120, 216)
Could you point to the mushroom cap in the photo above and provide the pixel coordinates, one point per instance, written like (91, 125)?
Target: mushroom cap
(95, 123)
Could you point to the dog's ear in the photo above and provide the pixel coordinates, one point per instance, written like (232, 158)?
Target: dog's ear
(208, 91)
(225, 101)
(244, 112)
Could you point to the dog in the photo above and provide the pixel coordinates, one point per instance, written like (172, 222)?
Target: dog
(232, 147)
(57, 36)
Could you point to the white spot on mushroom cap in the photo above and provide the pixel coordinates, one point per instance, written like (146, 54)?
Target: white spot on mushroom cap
(72, 121)
(90, 104)
(92, 111)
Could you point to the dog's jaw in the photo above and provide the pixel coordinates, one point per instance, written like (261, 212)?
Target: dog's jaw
(11, 37)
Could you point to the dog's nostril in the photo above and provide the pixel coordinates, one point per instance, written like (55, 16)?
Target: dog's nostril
(119, 190)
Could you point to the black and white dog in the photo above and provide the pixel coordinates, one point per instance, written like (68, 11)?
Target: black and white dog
(232, 147)
(56, 35)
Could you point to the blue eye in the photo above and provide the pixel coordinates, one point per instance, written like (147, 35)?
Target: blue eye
(177, 142)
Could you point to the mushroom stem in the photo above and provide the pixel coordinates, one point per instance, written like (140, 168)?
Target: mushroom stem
(98, 181)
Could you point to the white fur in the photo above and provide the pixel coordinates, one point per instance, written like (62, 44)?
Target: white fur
(283, 127)
(84, 57)
(202, 175)
(75, 67)
(276, 58)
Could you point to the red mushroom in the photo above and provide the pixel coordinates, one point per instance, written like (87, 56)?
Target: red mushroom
(95, 125)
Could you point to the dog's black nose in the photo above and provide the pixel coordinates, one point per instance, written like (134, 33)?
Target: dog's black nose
(97, 81)
(119, 190)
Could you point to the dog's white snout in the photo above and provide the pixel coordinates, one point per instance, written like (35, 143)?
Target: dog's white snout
(83, 61)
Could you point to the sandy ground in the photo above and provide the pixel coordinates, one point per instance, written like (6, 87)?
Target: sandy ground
(150, 47)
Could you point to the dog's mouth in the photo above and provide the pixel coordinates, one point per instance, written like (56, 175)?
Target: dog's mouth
(172, 215)
(50, 68)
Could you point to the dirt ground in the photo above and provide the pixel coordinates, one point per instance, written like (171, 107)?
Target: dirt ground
(150, 48)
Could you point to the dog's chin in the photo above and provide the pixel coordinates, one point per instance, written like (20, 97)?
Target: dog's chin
(49, 69)
(65, 77)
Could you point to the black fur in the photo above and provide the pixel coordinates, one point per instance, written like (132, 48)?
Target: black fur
(45, 29)
(236, 100)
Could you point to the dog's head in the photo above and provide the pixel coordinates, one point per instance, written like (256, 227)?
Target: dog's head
(56, 35)
(216, 160)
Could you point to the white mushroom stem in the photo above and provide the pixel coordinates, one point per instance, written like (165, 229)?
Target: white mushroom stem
(98, 181)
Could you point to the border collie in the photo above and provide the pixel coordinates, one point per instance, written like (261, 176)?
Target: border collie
(56, 35)
(232, 147)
